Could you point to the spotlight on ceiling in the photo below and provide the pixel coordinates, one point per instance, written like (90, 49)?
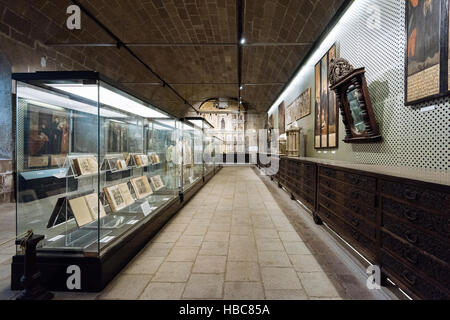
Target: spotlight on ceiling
(241, 87)
(243, 40)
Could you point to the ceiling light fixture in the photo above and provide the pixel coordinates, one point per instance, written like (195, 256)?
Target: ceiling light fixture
(243, 40)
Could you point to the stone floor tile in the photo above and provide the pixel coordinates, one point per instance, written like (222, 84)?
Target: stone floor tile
(173, 272)
(214, 248)
(219, 227)
(243, 291)
(273, 259)
(280, 278)
(189, 241)
(242, 253)
(217, 236)
(195, 230)
(143, 265)
(157, 249)
(242, 271)
(317, 284)
(289, 236)
(286, 295)
(305, 263)
(264, 244)
(183, 254)
(204, 286)
(125, 287)
(266, 233)
(296, 247)
(163, 291)
(210, 264)
(167, 236)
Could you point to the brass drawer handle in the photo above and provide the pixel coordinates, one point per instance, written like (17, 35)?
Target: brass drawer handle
(410, 194)
(409, 277)
(412, 257)
(355, 235)
(354, 180)
(411, 237)
(355, 195)
(355, 208)
(410, 215)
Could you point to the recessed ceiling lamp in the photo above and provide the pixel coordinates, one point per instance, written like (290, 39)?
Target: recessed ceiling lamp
(243, 40)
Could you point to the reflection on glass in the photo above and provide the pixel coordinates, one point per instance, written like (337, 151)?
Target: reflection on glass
(358, 121)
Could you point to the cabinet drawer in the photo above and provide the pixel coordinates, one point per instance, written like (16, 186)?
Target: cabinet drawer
(350, 218)
(432, 222)
(431, 267)
(367, 183)
(349, 233)
(359, 198)
(418, 196)
(411, 280)
(417, 238)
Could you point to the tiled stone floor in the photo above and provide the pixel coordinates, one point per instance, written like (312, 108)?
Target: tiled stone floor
(238, 238)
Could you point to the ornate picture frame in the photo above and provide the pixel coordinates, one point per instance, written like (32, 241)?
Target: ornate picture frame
(426, 53)
(326, 120)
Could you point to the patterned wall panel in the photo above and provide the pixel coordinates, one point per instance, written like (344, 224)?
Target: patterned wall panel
(372, 35)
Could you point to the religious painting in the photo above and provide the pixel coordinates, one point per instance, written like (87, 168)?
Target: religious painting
(271, 122)
(281, 118)
(326, 111)
(299, 108)
(46, 135)
(423, 67)
(117, 137)
(333, 110)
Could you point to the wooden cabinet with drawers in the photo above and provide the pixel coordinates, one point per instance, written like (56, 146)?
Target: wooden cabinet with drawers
(299, 179)
(400, 224)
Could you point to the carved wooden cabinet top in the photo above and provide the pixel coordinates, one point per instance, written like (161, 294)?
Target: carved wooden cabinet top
(353, 100)
(434, 176)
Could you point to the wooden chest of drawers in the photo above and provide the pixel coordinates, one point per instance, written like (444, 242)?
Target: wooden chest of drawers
(401, 225)
(299, 178)
(416, 237)
(349, 209)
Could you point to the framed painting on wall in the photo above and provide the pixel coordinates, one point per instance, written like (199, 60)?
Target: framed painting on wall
(299, 108)
(426, 69)
(281, 118)
(326, 112)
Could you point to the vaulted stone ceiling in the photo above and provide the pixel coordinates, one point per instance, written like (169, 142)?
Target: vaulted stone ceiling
(191, 44)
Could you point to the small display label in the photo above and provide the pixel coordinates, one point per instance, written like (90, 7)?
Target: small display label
(132, 222)
(146, 209)
(107, 239)
(56, 238)
(427, 109)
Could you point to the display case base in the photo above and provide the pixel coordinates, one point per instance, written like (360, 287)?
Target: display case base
(63, 271)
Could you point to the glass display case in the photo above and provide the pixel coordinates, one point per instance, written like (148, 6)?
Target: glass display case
(83, 140)
(95, 163)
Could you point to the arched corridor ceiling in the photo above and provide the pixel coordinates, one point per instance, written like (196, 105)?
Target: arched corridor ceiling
(191, 45)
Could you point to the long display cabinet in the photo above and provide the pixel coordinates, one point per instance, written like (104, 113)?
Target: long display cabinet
(397, 218)
(99, 171)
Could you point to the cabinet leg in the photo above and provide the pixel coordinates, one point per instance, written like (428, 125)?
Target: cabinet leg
(317, 219)
(279, 185)
(384, 281)
(292, 197)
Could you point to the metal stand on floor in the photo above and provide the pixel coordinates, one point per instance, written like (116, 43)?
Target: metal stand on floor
(31, 279)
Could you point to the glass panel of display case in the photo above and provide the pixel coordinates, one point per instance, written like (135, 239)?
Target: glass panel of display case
(57, 164)
(91, 160)
(190, 170)
(165, 156)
